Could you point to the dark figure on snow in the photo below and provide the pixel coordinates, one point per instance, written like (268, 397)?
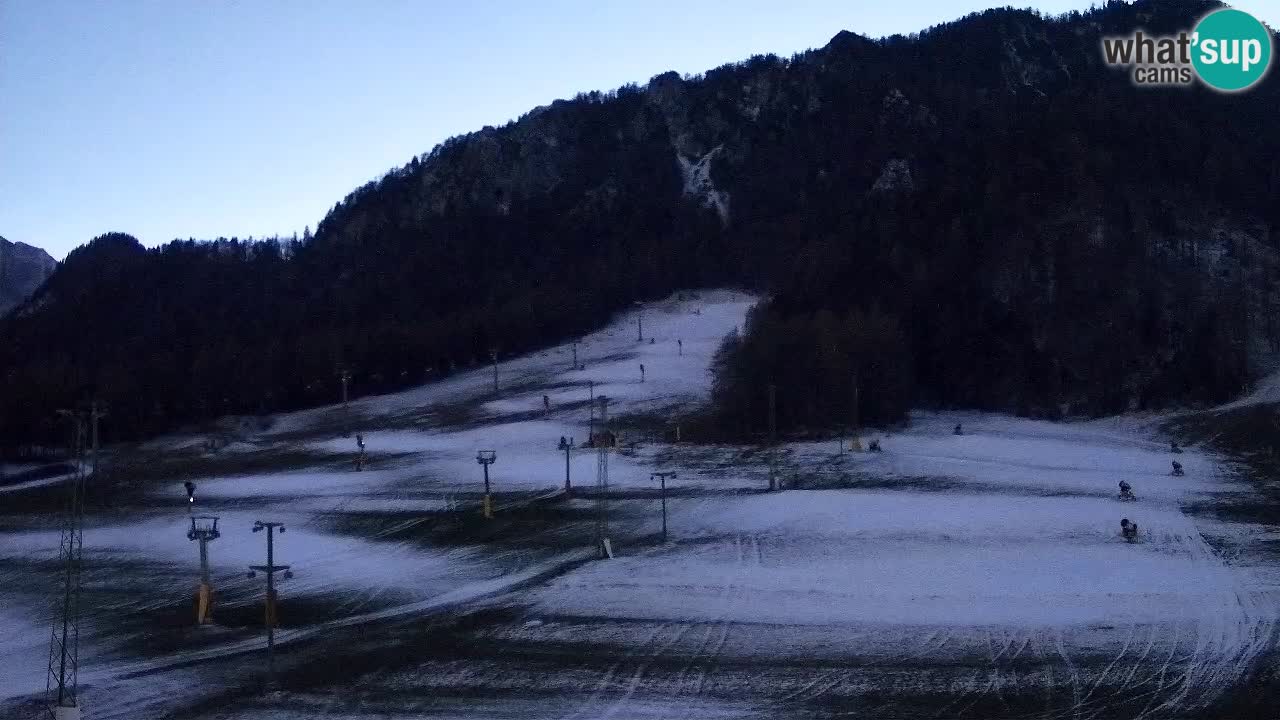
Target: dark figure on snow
(873, 446)
(1128, 529)
(1177, 468)
(1173, 446)
(958, 431)
(360, 440)
(1126, 490)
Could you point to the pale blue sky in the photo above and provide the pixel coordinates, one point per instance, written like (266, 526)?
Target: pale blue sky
(200, 119)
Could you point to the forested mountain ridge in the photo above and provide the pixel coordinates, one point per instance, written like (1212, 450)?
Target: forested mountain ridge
(983, 215)
(22, 269)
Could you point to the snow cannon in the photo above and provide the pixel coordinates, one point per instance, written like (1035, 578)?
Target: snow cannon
(1129, 530)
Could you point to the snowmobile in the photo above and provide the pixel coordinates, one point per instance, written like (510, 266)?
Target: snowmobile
(873, 446)
(1177, 469)
(1129, 530)
(1126, 492)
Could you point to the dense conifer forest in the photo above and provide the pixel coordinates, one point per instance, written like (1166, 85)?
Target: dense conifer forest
(982, 215)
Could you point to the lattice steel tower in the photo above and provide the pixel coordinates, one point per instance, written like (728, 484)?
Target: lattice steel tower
(61, 686)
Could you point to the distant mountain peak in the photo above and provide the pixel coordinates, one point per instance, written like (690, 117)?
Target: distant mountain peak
(23, 269)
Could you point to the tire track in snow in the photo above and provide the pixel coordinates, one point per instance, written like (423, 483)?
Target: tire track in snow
(967, 690)
(1225, 643)
(680, 681)
(724, 622)
(1072, 673)
(1164, 669)
(606, 679)
(703, 651)
(638, 676)
(1124, 650)
(993, 678)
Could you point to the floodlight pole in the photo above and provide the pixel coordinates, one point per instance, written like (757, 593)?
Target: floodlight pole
(773, 435)
(270, 569)
(662, 478)
(346, 412)
(205, 529)
(487, 458)
(567, 447)
(204, 556)
(855, 444)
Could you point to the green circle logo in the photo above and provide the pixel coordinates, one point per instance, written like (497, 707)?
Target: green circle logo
(1232, 50)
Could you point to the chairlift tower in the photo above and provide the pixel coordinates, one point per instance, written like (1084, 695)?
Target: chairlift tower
(603, 442)
(591, 405)
(62, 683)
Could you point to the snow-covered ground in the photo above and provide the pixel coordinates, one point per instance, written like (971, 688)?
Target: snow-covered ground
(974, 575)
(1000, 546)
(1266, 390)
(149, 564)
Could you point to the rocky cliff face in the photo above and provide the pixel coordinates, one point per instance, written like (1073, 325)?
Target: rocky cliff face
(1047, 237)
(23, 269)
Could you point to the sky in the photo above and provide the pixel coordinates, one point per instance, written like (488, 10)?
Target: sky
(204, 119)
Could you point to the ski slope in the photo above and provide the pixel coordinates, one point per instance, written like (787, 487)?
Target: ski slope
(998, 549)
(979, 575)
(149, 564)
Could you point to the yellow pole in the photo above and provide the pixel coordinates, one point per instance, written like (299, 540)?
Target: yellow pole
(204, 604)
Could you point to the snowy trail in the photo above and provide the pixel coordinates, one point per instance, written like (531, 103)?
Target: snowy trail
(437, 473)
(984, 568)
(106, 702)
(983, 574)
